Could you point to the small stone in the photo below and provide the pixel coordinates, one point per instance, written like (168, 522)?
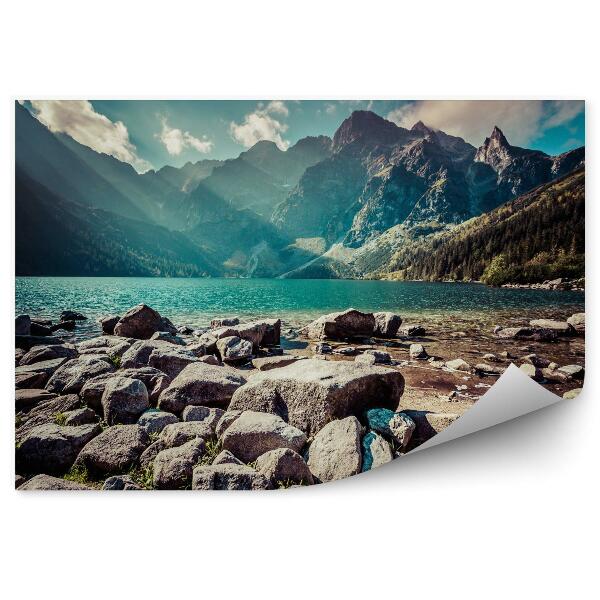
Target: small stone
(386, 324)
(166, 336)
(417, 351)
(345, 351)
(485, 369)
(177, 434)
(274, 362)
(226, 420)
(120, 483)
(154, 421)
(574, 371)
(108, 324)
(323, 348)
(72, 315)
(577, 322)
(210, 416)
(458, 364)
(571, 394)
(531, 371)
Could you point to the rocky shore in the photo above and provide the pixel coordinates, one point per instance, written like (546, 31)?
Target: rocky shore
(151, 405)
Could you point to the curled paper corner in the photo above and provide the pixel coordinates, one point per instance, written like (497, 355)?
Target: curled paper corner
(513, 395)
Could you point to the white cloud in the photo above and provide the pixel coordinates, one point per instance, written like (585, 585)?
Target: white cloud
(521, 120)
(176, 141)
(330, 108)
(79, 120)
(262, 124)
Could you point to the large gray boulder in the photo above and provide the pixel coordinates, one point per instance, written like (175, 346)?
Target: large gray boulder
(254, 433)
(386, 324)
(311, 393)
(80, 416)
(577, 322)
(43, 483)
(45, 412)
(284, 466)
(335, 452)
(108, 324)
(141, 322)
(201, 384)
(560, 327)
(165, 336)
(124, 400)
(52, 448)
(116, 450)
(177, 434)
(73, 374)
(48, 352)
(23, 325)
(229, 416)
(253, 332)
(172, 468)
(171, 359)
(42, 371)
(154, 421)
(27, 399)
(228, 477)
(226, 458)
(341, 325)
(574, 371)
(234, 350)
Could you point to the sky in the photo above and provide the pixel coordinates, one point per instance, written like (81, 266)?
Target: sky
(152, 133)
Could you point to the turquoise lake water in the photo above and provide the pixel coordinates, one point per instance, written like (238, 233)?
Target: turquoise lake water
(196, 301)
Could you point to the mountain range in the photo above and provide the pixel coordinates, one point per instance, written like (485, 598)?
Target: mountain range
(342, 207)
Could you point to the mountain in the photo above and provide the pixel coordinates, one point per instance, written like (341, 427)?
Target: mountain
(46, 159)
(57, 237)
(185, 178)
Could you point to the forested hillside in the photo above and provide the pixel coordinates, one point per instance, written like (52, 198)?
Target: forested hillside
(538, 236)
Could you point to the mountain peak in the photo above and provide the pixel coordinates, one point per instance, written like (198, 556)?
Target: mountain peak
(369, 127)
(420, 127)
(498, 136)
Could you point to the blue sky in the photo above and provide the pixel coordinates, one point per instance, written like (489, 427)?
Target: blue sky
(153, 133)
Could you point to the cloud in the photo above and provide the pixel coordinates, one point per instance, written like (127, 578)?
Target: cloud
(521, 120)
(262, 124)
(79, 120)
(330, 108)
(176, 141)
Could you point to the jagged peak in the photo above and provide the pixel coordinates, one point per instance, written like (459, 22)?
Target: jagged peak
(498, 136)
(420, 127)
(366, 125)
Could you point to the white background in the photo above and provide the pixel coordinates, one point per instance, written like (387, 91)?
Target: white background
(508, 513)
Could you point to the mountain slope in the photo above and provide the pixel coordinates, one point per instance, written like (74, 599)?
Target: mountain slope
(540, 235)
(58, 237)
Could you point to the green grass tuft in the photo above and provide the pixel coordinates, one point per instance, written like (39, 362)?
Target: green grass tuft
(143, 477)
(116, 361)
(78, 474)
(212, 449)
(59, 418)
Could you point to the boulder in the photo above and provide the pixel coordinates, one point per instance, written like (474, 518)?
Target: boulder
(108, 324)
(417, 351)
(229, 416)
(30, 380)
(171, 338)
(63, 325)
(489, 357)
(48, 352)
(72, 315)
(116, 450)
(26, 342)
(141, 322)
(120, 483)
(577, 322)
(224, 322)
(234, 350)
(536, 361)
(254, 433)
(485, 369)
(177, 434)
(228, 477)
(49, 483)
(172, 468)
(310, 393)
(171, 360)
(37, 329)
(514, 332)
(458, 364)
(267, 363)
(71, 376)
(335, 452)
(345, 351)
(252, 332)
(200, 384)
(411, 330)
(27, 399)
(386, 324)
(381, 357)
(52, 448)
(80, 416)
(272, 335)
(154, 421)
(284, 466)
(210, 416)
(560, 327)
(397, 426)
(124, 400)
(149, 454)
(210, 359)
(376, 451)
(323, 348)
(428, 424)
(365, 359)
(574, 371)
(45, 412)
(532, 371)
(23, 325)
(44, 369)
(226, 458)
(350, 323)
(138, 354)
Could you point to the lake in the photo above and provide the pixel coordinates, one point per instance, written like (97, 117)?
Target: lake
(196, 301)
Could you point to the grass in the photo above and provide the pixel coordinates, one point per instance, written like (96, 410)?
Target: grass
(79, 474)
(115, 360)
(18, 421)
(59, 418)
(142, 476)
(212, 450)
